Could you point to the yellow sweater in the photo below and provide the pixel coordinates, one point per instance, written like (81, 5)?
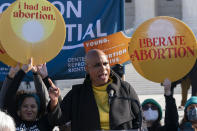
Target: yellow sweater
(101, 97)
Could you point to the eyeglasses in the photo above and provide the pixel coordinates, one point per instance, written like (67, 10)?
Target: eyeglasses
(147, 106)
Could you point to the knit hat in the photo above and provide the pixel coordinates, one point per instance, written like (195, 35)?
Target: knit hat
(152, 101)
(192, 100)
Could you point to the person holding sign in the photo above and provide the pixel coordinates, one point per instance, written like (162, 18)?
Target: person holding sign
(6, 83)
(153, 112)
(102, 102)
(27, 108)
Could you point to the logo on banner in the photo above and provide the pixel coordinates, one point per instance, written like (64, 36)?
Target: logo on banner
(34, 29)
(115, 46)
(163, 47)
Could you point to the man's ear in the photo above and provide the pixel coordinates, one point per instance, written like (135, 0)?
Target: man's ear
(86, 68)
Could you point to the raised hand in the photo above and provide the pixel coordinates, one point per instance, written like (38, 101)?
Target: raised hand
(27, 67)
(54, 93)
(34, 69)
(13, 71)
(42, 70)
(167, 87)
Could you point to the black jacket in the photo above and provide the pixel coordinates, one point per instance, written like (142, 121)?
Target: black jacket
(171, 121)
(79, 107)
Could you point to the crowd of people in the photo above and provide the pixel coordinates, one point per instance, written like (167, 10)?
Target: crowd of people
(104, 101)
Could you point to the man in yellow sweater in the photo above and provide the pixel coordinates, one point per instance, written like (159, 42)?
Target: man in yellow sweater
(102, 102)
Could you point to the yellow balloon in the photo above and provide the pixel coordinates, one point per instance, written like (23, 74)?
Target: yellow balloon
(5, 58)
(163, 47)
(32, 28)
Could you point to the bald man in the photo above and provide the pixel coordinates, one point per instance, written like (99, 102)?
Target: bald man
(97, 66)
(102, 102)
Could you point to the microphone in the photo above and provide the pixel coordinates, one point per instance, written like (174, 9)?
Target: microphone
(111, 93)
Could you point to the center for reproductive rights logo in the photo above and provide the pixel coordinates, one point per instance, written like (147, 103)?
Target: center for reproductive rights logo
(33, 21)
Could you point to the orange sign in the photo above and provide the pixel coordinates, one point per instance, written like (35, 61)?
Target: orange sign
(32, 28)
(163, 47)
(115, 47)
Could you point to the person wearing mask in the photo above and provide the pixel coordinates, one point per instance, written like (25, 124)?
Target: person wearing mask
(153, 111)
(189, 121)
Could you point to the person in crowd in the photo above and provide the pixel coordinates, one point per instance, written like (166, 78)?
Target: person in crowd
(6, 122)
(6, 83)
(119, 69)
(189, 121)
(193, 76)
(43, 73)
(102, 102)
(185, 85)
(153, 112)
(27, 108)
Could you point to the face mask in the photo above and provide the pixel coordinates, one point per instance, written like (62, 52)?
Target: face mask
(192, 114)
(151, 115)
